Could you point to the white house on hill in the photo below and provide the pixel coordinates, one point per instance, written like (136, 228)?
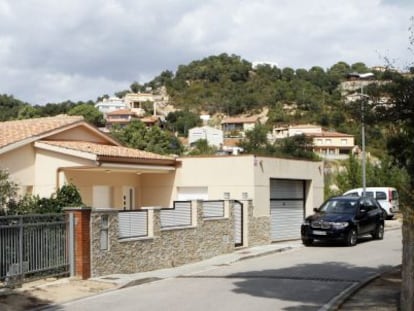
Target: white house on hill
(213, 136)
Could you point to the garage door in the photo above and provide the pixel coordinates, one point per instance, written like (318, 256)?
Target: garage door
(287, 205)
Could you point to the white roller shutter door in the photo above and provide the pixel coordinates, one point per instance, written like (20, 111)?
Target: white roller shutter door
(286, 208)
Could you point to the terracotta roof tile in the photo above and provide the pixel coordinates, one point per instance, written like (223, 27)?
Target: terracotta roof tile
(107, 150)
(328, 134)
(240, 120)
(19, 130)
(121, 112)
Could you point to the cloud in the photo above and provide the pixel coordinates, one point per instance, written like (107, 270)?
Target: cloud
(52, 51)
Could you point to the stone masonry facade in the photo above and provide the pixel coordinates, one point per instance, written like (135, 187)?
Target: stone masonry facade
(171, 247)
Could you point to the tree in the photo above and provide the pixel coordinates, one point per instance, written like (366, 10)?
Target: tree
(400, 115)
(8, 191)
(136, 87)
(378, 174)
(182, 121)
(297, 146)
(137, 135)
(201, 147)
(255, 141)
(10, 107)
(28, 112)
(90, 114)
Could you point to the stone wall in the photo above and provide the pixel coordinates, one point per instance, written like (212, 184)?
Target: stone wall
(258, 228)
(166, 248)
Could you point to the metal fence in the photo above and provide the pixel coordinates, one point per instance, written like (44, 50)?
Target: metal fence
(34, 246)
(133, 224)
(179, 216)
(213, 209)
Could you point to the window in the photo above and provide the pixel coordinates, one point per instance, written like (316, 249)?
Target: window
(344, 141)
(379, 195)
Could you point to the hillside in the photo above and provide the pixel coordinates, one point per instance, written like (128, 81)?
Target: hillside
(228, 85)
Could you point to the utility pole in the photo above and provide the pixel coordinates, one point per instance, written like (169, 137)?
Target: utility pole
(363, 141)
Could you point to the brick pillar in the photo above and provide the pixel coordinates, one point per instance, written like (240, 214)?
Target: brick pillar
(82, 241)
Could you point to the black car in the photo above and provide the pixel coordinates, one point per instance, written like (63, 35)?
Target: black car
(344, 218)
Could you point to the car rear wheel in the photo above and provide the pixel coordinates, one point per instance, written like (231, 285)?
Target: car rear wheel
(307, 242)
(351, 238)
(379, 232)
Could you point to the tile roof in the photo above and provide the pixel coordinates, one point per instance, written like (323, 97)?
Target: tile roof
(121, 112)
(107, 150)
(240, 120)
(19, 130)
(328, 134)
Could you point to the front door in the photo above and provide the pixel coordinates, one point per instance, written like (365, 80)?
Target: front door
(128, 198)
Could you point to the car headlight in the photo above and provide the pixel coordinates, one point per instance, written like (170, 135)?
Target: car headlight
(339, 225)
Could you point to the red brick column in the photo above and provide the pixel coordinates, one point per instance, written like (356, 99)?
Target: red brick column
(82, 241)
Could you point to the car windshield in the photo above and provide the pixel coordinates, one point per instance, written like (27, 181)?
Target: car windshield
(335, 206)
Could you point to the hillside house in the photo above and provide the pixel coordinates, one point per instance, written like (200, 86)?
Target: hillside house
(121, 117)
(327, 144)
(213, 136)
(237, 126)
(110, 104)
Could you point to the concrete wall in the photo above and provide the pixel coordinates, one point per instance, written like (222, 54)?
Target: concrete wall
(46, 168)
(250, 175)
(232, 174)
(19, 163)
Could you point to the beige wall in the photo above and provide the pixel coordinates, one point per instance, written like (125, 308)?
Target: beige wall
(85, 180)
(220, 174)
(19, 163)
(237, 175)
(79, 132)
(46, 169)
(333, 141)
(157, 189)
(250, 174)
(309, 171)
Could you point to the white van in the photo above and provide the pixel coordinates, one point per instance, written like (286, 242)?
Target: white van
(387, 197)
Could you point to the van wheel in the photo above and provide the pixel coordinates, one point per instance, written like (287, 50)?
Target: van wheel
(351, 238)
(379, 232)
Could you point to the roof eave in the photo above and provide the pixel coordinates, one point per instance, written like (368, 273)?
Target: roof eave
(127, 160)
(66, 151)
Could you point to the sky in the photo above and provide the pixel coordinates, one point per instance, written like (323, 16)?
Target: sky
(52, 51)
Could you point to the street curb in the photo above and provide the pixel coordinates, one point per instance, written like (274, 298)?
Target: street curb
(338, 300)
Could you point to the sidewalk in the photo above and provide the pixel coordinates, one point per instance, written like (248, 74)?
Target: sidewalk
(36, 295)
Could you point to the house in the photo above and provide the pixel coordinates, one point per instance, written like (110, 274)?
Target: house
(133, 194)
(42, 154)
(110, 104)
(120, 117)
(327, 144)
(291, 130)
(237, 126)
(213, 136)
(333, 145)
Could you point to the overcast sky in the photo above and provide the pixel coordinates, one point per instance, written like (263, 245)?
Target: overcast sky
(57, 50)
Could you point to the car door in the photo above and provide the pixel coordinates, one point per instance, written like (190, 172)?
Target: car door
(372, 215)
(366, 216)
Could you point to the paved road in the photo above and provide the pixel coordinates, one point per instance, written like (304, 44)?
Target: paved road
(302, 279)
